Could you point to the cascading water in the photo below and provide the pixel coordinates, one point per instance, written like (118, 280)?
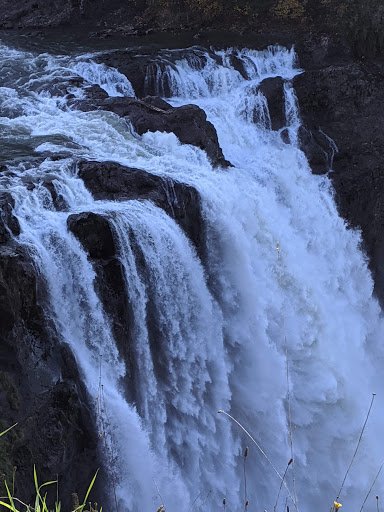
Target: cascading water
(217, 336)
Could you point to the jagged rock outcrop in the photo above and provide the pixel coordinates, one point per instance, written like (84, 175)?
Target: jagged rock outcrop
(143, 70)
(40, 388)
(109, 180)
(40, 385)
(64, 87)
(343, 102)
(95, 234)
(188, 122)
(273, 90)
(9, 225)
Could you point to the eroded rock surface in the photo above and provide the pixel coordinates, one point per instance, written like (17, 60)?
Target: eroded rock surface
(188, 122)
(343, 101)
(109, 180)
(40, 388)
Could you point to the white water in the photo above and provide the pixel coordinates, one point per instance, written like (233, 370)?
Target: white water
(222, 328)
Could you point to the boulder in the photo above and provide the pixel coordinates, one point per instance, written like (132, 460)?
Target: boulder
(94, 232)
(273, 90)
(109, 180)
(188, 122)
(147, 72)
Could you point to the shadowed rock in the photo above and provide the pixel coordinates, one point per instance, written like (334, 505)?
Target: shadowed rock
(109, 180)
(40, 388)
(9, 225)
(273, 90)
(189, 122)
(343, 102)
(94, 232)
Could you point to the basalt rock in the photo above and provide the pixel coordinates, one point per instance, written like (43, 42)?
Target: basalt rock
(40, 388)
(109, 180)
(188, 122)
(9, 225)
(343, 102)
(65, 87)
(273, 90)
(318, 149)
(95, 234)
(148, 73)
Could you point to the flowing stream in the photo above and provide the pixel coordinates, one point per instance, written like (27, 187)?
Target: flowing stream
(283, 285)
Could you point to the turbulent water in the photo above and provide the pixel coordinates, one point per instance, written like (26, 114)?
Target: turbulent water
(283, 284)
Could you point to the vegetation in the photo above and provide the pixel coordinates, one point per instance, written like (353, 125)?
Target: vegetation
(40, 505)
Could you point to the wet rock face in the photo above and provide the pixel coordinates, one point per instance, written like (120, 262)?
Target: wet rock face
(273, 90)
(144, 71)
(32, 13)
(344, 102)
(65, 87)
(95, 234)
(109, 180)
(318, 149)
(188, 122)
(9, 225)
(55, 429)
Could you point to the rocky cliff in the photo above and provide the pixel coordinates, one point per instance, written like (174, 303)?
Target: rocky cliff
(340, 97)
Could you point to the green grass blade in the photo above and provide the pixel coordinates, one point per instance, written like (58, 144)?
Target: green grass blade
(8, 506)
(47, 483)
(9, 496)
(35, 479)
(45, 508)
(89, 488)
(80, 507)
(8, 429)
(38, 495)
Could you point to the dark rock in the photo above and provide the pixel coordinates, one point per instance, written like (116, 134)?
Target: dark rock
(109, 180)
(273, 90)
(238, 65)
(95, 234)
(321, 50)
(343, 103)
(57, 199)
(60, 86)
(360, 198)
(147, 73)
(55, 428)
(157, 102)
(137, 68)
(284, 134)
(28, 13)
(9, 225)
(317, 148)
(188, 122)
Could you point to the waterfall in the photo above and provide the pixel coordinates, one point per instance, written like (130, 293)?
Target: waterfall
(213, 334)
